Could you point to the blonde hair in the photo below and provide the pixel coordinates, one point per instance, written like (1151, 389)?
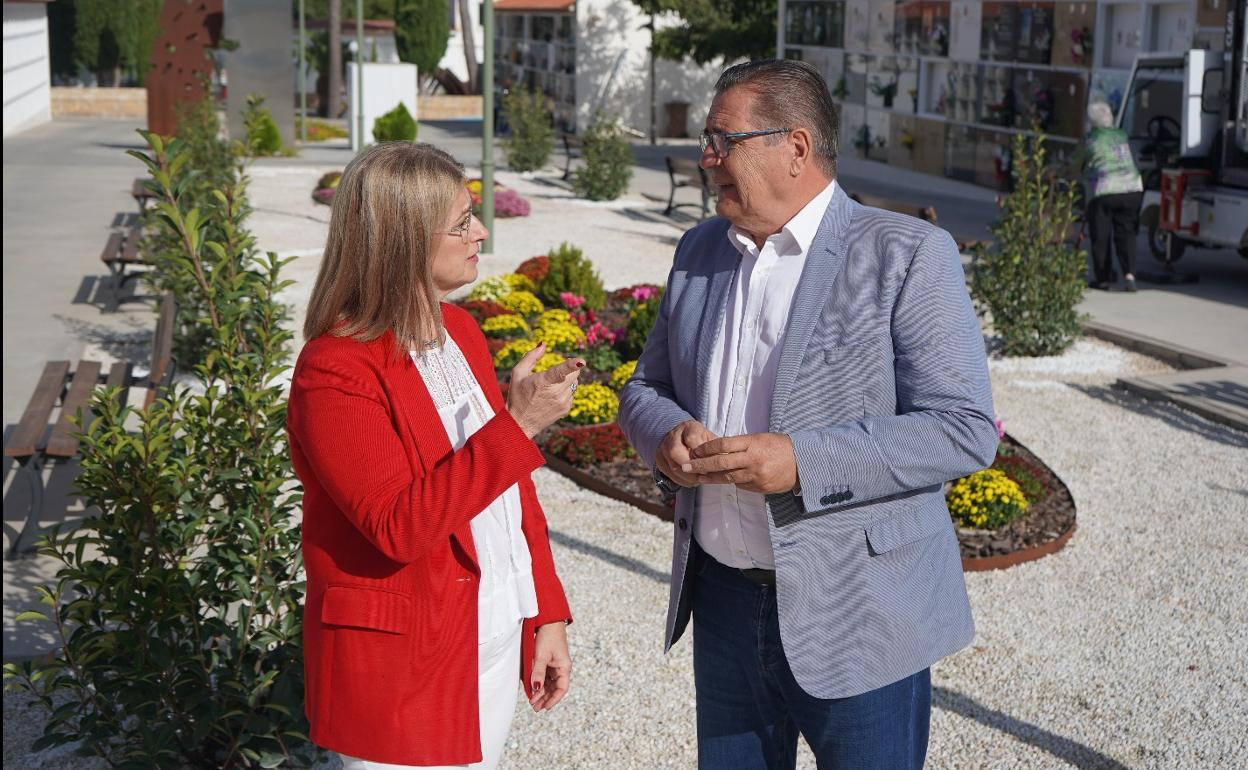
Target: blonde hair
(377, 271)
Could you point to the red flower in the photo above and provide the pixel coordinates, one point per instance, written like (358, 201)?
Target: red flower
(534, 268)
(589, 445)
(482, 309)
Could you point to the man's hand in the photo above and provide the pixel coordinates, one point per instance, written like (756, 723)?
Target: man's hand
(757, 462)
(676, 448)
(552, 666)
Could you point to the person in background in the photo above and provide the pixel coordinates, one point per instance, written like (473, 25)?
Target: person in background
(430, 581)
(1112, 192)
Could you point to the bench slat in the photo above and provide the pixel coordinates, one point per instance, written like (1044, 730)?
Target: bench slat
(689, 168)
(63, 442)
(25, 439)
(131, 251)
(138, 191)
(113, 247)
(162, 345)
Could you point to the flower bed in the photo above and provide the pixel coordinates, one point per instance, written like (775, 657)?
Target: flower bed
(1015, 511)
(507, 202)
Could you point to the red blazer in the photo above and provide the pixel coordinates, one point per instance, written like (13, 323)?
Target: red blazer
(390, 616)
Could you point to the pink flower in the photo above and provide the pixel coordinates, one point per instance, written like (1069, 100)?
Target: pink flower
(643, 293)
(598, 333)
(571, 301)
(1000, 427)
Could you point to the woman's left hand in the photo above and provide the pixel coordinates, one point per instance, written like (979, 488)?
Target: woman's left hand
(552, 666)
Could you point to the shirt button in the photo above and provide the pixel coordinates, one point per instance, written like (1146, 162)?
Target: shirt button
(749, 324)
(741, 382)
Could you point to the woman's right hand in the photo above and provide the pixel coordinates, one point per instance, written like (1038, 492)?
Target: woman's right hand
(537, 400)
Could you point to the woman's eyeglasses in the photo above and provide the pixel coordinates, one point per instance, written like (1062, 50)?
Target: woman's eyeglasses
(462, 229)
(722, 141)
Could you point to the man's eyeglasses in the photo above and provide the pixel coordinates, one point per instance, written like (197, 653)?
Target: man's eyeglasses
(721, 142)
(462, 229)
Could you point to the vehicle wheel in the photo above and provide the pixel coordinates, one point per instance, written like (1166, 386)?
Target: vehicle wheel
(1158, 241)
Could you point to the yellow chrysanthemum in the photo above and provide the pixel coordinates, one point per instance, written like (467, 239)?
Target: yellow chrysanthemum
(519, 282)
(505, 326)
(525, 303)
(987, 499)
(512, 352)
(491, 288)
(621, 374)
(547, 361)
(563, 337)
(593, 404)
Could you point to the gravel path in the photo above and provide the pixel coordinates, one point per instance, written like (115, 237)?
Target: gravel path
(1127, 649)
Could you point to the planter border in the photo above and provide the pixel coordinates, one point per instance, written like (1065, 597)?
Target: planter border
(1005, 560)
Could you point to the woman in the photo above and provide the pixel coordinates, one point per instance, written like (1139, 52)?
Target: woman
(430, 576)
(1113, 191)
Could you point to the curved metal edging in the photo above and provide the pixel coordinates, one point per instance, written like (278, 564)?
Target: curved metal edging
(1002, 561)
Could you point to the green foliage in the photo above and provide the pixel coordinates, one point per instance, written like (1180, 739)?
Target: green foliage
(264, 138)
(1031, 280)
(601, 358)
(715, 29)
(109, 35)
(421, 29)
(608, 163)
(571, 271)
(397, 125)
(532, 135)
(177, 605)
(640, 321)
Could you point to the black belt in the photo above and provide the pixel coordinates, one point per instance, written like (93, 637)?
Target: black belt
(763, 577)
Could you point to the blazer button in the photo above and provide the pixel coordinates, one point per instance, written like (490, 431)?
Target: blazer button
(827, 500)
(849, 495)
(683, 524)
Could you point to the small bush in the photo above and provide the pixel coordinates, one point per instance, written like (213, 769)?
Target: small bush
(481, 309)
(547, 361)
(593, 404)
(608, 165)
(519, 282)
(264, 138)
(987, 499)
(589, 445)
(511, 353)
(397, 125)
(532, 135)
(640, 321)
(509, 204)
(523, 302)
(1023, 473)
(621, 374)
(505, 327)
(1031, 280)
(534, 268)
(491, 288)
(601, 357)
(571, 272)
(560, 337)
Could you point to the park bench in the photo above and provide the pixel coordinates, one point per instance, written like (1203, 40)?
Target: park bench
(571, 151)
(926, 213)
(686, 172)
(141, 194)
(120, 252)
(39, 440)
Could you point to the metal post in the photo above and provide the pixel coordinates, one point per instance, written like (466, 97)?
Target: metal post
(487, 124)
(303, 77)
(654, 96)
(359, 71)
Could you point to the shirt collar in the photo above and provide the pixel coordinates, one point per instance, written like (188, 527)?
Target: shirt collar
(798, 233)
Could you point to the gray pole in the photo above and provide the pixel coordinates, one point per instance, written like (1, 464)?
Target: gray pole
(654, 96)
(359, 70)
(487, 124)
(303, 77)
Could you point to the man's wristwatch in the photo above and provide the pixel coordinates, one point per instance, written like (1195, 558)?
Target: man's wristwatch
(668, 487)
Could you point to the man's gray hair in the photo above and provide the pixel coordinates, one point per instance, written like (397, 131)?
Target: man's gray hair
(1099, 114)
(790, 94)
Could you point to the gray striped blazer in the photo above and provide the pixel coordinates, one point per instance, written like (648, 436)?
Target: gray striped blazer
(883, 389)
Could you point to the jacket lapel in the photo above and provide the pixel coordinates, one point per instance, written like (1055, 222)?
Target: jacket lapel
(712, 320)
(823, 264)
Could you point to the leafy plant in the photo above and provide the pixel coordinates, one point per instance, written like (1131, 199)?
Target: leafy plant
(707, 31)
(622, 373)
(601, 358)
(397, 125)
(640, 321)
(264, 138)
(525, 303)
(421, 31)
(481, 309)
(986, 499)
(177, 605)
(589, 445)
(532, 135)
(1023, 473)
(608, 165)
(570, 271)
(1030, 281)
(593, 404)
(506, 326)
(534, 268)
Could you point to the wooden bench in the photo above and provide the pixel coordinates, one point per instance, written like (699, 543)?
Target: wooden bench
(140, 192)
(120, 252)
(686, 172)
(39, 441)
(571, 151)
(917, 210)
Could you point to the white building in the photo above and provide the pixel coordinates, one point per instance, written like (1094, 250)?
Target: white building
(594, 54)
(27, 69)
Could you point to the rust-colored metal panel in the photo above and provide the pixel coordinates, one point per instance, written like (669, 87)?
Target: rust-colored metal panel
(181, 58)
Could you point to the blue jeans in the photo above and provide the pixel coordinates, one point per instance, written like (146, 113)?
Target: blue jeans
(751, 709)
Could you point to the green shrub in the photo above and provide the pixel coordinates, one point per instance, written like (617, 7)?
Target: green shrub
(601, 358)
(264, 138)
(640, 321)
(532, 135)
(397, 125)
(177, 603)
(608, 165)
(571, 271)
(1031, 280)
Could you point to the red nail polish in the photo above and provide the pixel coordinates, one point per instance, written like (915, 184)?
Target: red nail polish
(580, 364)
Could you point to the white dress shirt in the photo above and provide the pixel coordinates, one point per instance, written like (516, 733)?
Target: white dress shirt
(506, 593)
(731, 523)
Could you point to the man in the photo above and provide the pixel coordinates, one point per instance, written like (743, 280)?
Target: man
(834, 349)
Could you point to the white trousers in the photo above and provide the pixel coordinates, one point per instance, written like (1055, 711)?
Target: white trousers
(498, 683)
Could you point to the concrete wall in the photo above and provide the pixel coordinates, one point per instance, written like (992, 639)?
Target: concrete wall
(262, 62)
(27, 75)
(72, 101)
(609, 30)
(448, 107)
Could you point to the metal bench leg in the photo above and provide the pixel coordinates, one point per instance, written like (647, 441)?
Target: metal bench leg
(671, 202)
(33, 469)
(705, 201)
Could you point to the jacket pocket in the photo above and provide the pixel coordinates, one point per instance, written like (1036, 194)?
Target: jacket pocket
(369, 608)
(915, 522)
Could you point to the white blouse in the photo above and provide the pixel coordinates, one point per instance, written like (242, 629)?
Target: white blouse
(506, 593)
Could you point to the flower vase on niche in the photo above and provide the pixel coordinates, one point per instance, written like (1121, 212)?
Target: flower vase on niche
(862, 140)
(886, 91)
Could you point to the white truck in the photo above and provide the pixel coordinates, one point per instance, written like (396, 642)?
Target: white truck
(1195, 166)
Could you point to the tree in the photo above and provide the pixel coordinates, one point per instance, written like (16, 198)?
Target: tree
(711, 29)
(422, 28)
(109, 36)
